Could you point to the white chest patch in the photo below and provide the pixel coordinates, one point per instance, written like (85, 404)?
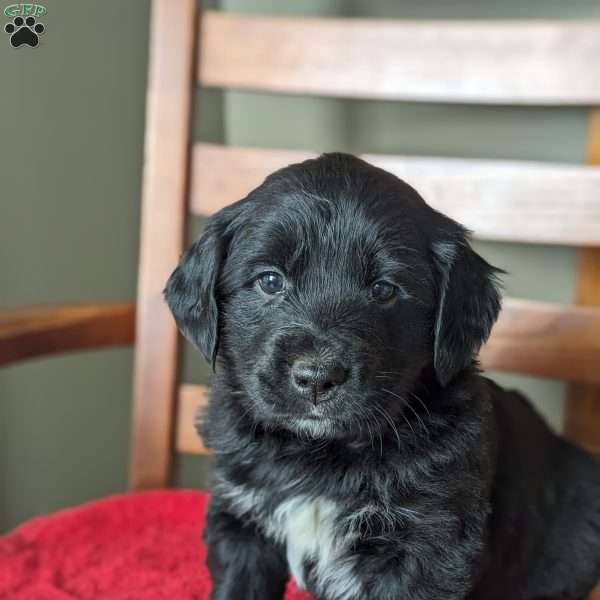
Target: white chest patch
(310, 530)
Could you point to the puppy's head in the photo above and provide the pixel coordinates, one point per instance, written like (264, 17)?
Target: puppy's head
(325, 293)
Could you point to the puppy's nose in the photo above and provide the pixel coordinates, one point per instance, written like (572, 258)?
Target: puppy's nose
(317, 379)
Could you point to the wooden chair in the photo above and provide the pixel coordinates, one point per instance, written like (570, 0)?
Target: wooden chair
(526, 63)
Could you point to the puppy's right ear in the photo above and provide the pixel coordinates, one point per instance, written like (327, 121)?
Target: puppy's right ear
(191, 291)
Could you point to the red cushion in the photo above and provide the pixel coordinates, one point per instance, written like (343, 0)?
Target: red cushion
(134, 547)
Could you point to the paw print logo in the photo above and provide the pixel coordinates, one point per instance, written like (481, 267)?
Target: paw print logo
(24, 32)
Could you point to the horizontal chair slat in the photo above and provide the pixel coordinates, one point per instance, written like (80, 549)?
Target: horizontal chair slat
(546, 340)
(525, 202)
(516, 62)
(534, 338)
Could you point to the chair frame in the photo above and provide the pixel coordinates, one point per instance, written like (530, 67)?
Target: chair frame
(180, 177)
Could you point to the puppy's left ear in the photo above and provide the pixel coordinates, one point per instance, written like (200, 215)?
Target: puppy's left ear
(468, 301)
(191, 291)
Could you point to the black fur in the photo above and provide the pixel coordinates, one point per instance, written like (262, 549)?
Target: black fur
(461, 489)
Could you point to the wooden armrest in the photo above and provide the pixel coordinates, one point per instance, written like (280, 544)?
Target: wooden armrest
(35, 331)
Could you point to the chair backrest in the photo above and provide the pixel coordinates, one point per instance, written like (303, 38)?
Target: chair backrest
(528, 63)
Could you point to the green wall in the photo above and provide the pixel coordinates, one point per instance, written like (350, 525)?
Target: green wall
(71, 135)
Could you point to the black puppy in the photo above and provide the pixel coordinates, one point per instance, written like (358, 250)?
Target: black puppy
(355, 443)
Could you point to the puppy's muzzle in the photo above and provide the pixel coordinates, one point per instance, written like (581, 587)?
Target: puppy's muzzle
(316, 380)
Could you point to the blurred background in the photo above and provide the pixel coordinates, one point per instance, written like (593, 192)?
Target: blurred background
(71, 139)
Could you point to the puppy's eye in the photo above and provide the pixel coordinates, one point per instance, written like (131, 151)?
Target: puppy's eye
(382, 291)
(271, 282)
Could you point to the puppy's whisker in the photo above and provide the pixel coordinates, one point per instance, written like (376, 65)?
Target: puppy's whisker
(379, 437)
(408, 405)
(375, 430)
(420, 401)
(370, 416)
(370, 433)
(408, 423)
(389, 419)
